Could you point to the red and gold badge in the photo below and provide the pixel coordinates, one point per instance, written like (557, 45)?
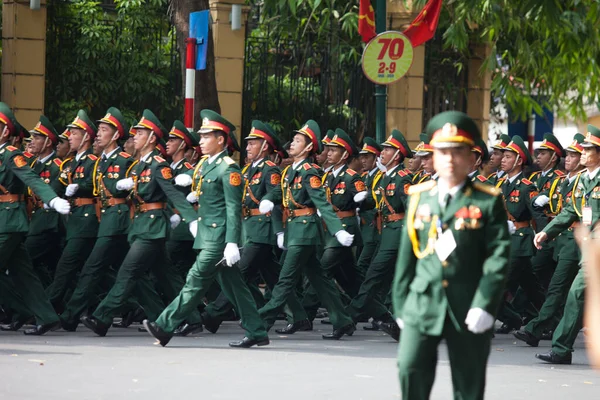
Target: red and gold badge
(166, 173)
(315, 182)
(235, 179)
(275, 179)
(360, 186)
(20, 161)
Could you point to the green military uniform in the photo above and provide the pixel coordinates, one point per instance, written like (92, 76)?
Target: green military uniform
(219, 186)
(82, 224)
(495, 178)
(517, 196)
(480, 150)
(111, 244)
(423, 149)
(15, 176)
(584, 207)
(301, 193)
(434, 293)
(391, 196)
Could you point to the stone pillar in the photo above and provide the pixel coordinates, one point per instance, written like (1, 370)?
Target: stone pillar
(478, 87)
(229, 59)
(24, 59)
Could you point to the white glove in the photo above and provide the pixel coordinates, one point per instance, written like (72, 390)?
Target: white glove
(60, 205)
(479, 320)
(344, 238)
(266, 206)
(192, 197)
(231, 254)
(46, 206)
(125, 184)
(193, 227)
(511, 227)
(71, 189)
(360, 196)
(542, 200)
(183, 180)
(400, 323)
(319, 213)
(281, 240)
(380, 165)
(175, 220)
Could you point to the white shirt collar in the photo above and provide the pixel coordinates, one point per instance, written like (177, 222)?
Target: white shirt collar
(255, 163)
(443, 190)
(391, 170)
(145, 156)
(500, 173)
(111, 153)
(213, 158)
(295, 165)
(571, 178)
(79, 155)
(544, 173)
(335, 172)
(373, 171)
(328, 169)
(511, 180)
(593, 173)
(3, 145)
(472, 174)
(176, 163)
(43, 160)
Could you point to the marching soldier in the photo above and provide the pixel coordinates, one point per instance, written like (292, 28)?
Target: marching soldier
(63, 149)
(425, 153)
(584, 208)
(451, 268)
(82, 224)
(481, 155)
(496, 160)
(218, 188)
(390, 200)
(321, 158)
(558, 197)
(15, 175)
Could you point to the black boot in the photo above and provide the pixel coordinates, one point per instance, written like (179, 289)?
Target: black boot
(304, 325)
(188, 329)
(527, 337)
(97, 326)
(157, 332)
(338, 333)
(39, 330)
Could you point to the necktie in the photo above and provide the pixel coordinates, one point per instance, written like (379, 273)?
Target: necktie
(447, 200)
(104, 158)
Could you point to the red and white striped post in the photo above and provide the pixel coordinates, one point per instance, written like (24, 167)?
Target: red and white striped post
(190, 82)
(531, 133)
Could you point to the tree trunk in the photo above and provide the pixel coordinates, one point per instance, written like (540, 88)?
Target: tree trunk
(206, 95)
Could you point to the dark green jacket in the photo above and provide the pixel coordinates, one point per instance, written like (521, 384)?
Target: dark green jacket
(543, 183)
(565, 246)
(153, 179)
(43, 220)
(517, 199)
(368, 211)
(426, 291)
(15, 176)
(182, 232)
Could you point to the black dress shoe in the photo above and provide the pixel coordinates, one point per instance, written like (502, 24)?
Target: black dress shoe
(321, 314)
(326, 321)
(247, 343)
(554, 358)
(371, 327)
(97, 326)
(188, 329)
(304, 325)
(125, 321)
(338, 333)
(527, 337)
(13, 326)
(505, 329)
(547, 335)
(157, 332)
(391, 328)
(69, 326)
(211, 324)
(39, 330)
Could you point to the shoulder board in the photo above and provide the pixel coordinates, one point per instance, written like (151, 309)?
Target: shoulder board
(316, 166)
(492, 175)
(124, 155)
(559, 172)
(532, 176)
(188, 165)
(228, 160)
(351, 172)
(526, 181)
(364, 174)
(270, 163)
(57, 162)
(307, 166)
(489, 189)
(422, 187)
(11, 148)
(404, 172)
(482, 178)
(92, 157)
(28, 154)
(159, 159)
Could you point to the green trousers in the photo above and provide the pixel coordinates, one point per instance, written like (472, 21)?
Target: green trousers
(366, 256)
(375, 287)
(182, 255)
(22, 277)
(199, 279)
(417, 358)
(572, 321)
(144, 255)
(44, 251)
(74, 255)
(543, 265)
(300, 259)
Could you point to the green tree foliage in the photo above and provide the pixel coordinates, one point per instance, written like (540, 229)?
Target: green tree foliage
(97, 58)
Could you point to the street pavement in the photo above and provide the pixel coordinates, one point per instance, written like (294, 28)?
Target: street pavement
(127, 365)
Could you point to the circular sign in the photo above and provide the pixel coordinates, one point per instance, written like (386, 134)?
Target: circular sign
(387, 57)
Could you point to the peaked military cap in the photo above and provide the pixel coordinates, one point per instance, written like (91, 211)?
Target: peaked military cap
(592, 138)
(398, 141)
(65, 135)
(328, 137)
(179, 131)
(283, 150)
(151, 121)
(8, 118)
(22, 132)
(502, 143)
(551, 143)
(114, 118)
(371, 146)
(424, 148)
(452, 129)
(45, 128)
(312, 131)
(575, 145)
(517, 145)
(212, 121)
(262, 130)
(232, 144)
(82, 121)
(341, 139)
(161, 146)
(481, 148)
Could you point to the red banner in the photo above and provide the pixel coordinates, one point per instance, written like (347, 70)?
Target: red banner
(366, 21)
(423, 27)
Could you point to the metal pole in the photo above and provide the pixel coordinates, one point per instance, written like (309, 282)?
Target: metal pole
(190, 82)
(380, 90)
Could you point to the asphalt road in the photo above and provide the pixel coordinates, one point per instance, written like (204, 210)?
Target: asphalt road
(126, 365)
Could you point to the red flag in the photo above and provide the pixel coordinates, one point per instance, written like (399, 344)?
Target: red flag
(366, 21)
(423, 27)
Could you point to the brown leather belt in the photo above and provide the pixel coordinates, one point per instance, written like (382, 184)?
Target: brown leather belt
(152, 206)
(346, 214)
(302, 212)
(113, 201)
(393, 217)
(252, 212)
(83, 201)
(522, 224)
(11, 198)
